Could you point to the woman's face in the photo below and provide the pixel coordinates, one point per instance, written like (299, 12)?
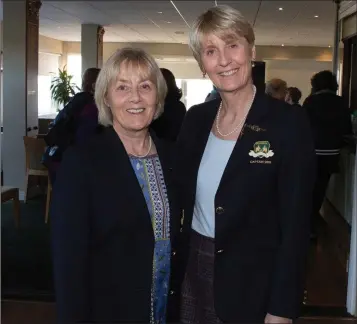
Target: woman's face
(228, 63)
(132, 100)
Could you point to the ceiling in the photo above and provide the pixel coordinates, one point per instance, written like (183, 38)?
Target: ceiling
(168, 21)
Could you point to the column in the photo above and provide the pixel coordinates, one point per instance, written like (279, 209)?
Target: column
(337, 37)
(20, 75)
(91, 46)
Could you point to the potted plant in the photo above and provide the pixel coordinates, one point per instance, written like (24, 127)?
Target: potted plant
(62, 88)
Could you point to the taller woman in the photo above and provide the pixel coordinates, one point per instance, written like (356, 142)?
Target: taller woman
(246, 172)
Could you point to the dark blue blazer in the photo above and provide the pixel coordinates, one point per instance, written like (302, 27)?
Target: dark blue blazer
(102, 236)
(262, 205)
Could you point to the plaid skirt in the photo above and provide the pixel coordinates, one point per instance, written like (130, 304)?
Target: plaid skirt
(197, 302)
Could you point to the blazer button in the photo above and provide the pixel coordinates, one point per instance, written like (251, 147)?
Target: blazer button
(173, 253)
(219, 210)
(220, 251)
(172, 292)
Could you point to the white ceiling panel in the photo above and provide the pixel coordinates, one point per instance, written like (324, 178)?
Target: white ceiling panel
(159, 21)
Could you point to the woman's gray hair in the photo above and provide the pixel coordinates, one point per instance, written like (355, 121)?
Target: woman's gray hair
(143, 63)
(223, 21)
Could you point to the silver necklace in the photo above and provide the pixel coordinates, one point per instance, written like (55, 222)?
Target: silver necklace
(147, 153)
(241, 121)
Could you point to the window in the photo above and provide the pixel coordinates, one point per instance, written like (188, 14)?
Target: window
(74, 67)
(197, 91)
(48, 65)
(45, 105)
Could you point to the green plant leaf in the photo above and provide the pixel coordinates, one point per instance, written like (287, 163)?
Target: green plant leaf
(62, 88)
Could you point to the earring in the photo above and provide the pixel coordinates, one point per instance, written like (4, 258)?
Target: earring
(253, 64)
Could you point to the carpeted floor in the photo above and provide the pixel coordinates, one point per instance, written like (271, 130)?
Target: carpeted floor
(25, 253)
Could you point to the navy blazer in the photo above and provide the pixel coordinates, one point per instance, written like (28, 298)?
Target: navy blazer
(102, 235)
(262, 207)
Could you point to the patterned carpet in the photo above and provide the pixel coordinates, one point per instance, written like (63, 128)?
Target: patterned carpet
(25, 253)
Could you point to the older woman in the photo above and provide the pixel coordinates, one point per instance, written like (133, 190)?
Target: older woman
(246, 173)
(114, 215)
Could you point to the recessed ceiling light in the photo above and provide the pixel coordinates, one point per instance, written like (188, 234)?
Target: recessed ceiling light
(282, 45)
(316, 16)
(281, 8)
(159, 12)
(329, 46)
(169, 22)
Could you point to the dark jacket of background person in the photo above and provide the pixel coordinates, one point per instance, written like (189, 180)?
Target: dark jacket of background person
(262, 209)
(102, 235)
(75, 123)
(330, 121)
(168, 125)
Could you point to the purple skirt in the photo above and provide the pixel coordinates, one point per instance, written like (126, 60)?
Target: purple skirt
(197, 302)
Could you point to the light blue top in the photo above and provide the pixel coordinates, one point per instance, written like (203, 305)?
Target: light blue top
(213, 163)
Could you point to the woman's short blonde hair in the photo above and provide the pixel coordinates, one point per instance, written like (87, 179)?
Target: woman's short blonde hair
(223, 21)
(138, 60)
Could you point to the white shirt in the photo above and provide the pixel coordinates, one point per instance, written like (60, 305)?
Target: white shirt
(213, 163)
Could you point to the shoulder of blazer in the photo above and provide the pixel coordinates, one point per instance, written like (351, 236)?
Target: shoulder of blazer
(101, 143)
(283, 111)
(292, 120)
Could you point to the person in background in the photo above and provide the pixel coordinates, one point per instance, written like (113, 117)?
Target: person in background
(75, 123)
(293, 96)
(214, 94)
(168, 125)
(330, 121)
(276, 88)
(245, 172)
(115, 221)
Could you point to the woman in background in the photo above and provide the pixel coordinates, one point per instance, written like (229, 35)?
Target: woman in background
(168, 125)
(74, 124)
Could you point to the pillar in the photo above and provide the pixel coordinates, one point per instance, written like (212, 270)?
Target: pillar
(91, 46)
(20, 75)
(337, 37)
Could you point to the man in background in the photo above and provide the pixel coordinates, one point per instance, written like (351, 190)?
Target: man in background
(276, 88)
(330, 120)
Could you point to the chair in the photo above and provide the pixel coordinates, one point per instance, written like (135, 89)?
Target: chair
(34, 148)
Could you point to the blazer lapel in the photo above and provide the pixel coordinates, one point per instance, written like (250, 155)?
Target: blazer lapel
(202, 135)
(258, 110)
(123, 174)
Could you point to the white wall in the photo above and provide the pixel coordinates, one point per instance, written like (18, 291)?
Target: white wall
(297, 73)
(182, 70)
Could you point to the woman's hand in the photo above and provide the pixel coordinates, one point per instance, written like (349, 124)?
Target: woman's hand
(271, 319)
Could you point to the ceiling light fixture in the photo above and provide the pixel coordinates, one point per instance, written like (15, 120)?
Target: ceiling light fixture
(282, 45)
(316, 16)
(169, 22)
(329, 46)
(281, 9)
